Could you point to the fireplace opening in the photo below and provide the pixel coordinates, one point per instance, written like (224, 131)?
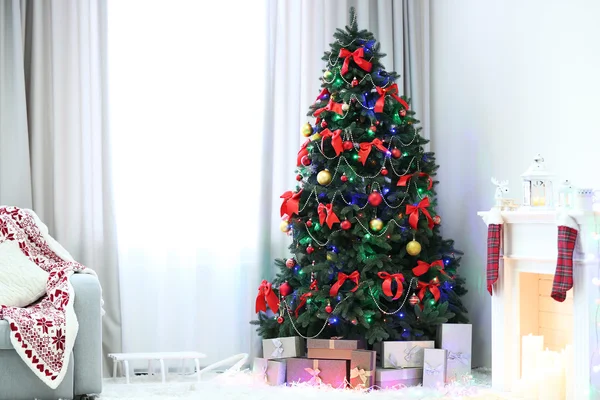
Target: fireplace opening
(546, 345)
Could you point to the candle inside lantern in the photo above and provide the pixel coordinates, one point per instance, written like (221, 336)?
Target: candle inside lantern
(538, 201)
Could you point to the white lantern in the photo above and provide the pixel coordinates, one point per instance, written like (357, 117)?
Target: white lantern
(566, 195)
(537, 186)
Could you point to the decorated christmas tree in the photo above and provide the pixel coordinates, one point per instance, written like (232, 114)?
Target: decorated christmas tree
(368, 258)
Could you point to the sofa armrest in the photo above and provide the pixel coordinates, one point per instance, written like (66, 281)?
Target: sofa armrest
(87, 351)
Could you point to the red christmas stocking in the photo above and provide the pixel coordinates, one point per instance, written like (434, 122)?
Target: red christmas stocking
(563, 277)
(493, 255)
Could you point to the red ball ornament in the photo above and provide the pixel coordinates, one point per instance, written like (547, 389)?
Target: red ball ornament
(375, 199)
(280, 320)
(344, 178)
(354, 82)
(309, 223)
(310, 249)
(346, 225)
(306, 161)
(384, 172)
(323, 124)
(290, 263)
(414, 300)
(373, 128)
(396, 153)
(298, 177)
(285, 289)
(402, 113)
(328, 309)
(437, 220)
(348, 145)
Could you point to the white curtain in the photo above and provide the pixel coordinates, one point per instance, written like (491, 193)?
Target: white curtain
(54, 143)
(203, 151)
(187, 104)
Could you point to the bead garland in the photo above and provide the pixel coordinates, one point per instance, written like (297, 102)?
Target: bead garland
(402, 305)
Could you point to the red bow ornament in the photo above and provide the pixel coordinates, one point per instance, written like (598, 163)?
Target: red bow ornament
(323, 93)
(302, 302)
(326, 214)
(403, 181)
(291, 202)
(265, 291)
(391, 90)
(413, 211)
(433, 289)
(422, 267)
(336, 140)
(357, 56)
(365, 149)
(386, 286)
(303, 152)
(331, 106)
(354, 277)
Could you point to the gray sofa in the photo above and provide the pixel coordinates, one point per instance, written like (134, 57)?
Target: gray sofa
(84, 375)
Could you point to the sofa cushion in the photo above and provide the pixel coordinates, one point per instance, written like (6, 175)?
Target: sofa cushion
(5, 343)
(22, 282)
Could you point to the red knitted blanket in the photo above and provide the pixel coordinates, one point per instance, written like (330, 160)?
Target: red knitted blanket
(43, 333)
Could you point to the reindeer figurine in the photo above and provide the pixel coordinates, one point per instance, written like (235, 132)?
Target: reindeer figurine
(501, 189)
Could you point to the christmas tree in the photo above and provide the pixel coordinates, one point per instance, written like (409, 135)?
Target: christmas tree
(368, 258)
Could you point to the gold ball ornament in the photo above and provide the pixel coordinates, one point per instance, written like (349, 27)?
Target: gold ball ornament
(324, 177)
(413, 248)
(376, 224)
(284, 226)
(306, 130)
(328, 75)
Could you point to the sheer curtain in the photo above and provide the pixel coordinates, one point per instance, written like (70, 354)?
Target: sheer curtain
(187, 90)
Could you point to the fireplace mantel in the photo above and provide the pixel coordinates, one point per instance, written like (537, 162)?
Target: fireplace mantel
(529, 245)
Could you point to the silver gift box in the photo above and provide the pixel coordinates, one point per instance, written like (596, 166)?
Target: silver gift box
(283, 347)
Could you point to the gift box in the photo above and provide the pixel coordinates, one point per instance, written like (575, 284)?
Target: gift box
(328, 372)
(270, 371)
(456, 338)
(396, 354)
(394, 378)
(332, 349)
(434, 367)
(283, 347)
(362, 368)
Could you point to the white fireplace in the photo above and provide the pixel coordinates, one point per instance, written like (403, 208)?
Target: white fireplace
(520, 304)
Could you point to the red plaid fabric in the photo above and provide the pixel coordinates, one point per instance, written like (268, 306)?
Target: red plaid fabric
(493, 256)
(563, 277)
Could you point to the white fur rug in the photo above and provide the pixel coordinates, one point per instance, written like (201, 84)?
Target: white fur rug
(244, 385)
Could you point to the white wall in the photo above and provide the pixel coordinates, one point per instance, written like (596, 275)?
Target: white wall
(509, 79)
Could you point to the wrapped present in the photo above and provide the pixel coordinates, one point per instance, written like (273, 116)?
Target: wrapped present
(457, 339)
(396, 354)
(362, 368)
(328, 372)
(332, 349)
(434, 368)
(396, 378)
(270, 371)
(283, 347)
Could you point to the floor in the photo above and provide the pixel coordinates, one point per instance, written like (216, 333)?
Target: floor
(245, 386)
